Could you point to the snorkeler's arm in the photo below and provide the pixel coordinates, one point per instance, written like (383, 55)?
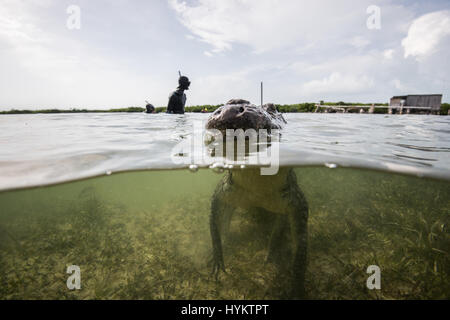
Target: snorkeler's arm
(171, 104)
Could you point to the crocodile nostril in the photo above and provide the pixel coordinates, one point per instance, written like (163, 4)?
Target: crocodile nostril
(241, 109)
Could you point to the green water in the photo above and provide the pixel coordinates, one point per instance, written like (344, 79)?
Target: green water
(145, 235)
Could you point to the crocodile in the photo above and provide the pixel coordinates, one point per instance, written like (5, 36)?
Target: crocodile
(279, 195)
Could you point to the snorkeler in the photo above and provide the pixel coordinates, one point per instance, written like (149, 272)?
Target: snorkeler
(149, 107)
(177, 99)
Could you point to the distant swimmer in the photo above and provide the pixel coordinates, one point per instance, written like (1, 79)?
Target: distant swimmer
(177, 99)
(150, 108)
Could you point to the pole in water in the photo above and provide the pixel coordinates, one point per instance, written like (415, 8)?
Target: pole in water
(261, 94)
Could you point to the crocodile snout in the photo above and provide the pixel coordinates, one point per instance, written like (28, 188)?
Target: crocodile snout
(241, 114)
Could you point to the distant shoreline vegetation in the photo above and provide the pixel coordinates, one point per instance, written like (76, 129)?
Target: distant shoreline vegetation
(287, 108)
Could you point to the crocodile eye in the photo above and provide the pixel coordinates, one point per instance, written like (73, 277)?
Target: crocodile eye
(241, 109)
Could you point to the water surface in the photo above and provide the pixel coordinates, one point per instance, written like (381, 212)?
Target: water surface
(145, 234)
(48, 148)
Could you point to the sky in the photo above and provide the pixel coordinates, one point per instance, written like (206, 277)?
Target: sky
(99, 54)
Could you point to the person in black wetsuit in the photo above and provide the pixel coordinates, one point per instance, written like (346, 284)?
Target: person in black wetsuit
(149, 108)
(177, 99)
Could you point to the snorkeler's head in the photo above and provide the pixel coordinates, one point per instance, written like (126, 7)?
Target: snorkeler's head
(184, 83)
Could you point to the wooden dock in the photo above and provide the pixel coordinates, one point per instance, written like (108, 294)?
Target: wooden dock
(370, 109)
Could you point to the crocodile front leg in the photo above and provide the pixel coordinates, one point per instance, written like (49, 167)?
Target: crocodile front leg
(276, 239)
(219, 213)
(298, 219)
(218, 263)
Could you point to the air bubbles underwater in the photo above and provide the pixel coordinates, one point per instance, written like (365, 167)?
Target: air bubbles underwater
(217, 167)
(193, 168)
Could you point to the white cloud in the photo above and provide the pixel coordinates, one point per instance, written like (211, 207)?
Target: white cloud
(359, 42)
(397, 84)
(58, 68)
(126, 53)
(339, 83)
(219, 88)
(354, 63)
(388, 54)
(425, 33)
(268, 24)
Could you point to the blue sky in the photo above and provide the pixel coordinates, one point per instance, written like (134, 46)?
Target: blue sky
(128, 51)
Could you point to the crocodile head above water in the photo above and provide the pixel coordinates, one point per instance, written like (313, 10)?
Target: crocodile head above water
(241, 114)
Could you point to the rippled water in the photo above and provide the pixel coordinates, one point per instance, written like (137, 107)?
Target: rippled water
(146, 234)
(45, 149)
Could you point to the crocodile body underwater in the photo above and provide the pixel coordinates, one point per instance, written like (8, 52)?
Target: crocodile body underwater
(277, 195)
